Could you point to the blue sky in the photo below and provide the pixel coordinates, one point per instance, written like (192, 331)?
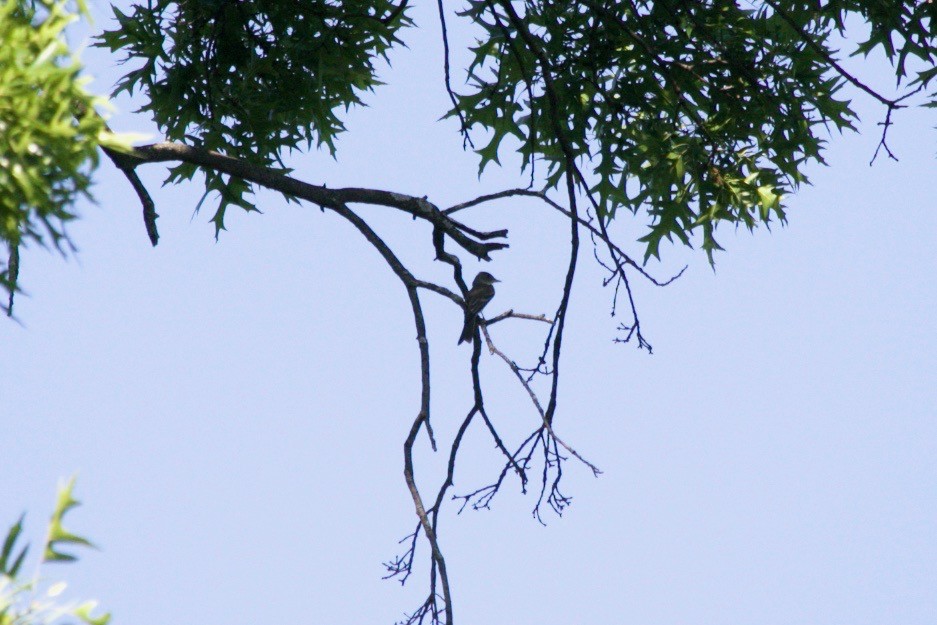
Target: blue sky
(235, 411)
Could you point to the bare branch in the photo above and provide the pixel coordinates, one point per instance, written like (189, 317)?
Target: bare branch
(402, 566)
(482, 497)
(422, 418)
(582, 222)
(435, 288)
(126, 165)
(463, 127)
(419, 208)
(515, 315)
(536, 402)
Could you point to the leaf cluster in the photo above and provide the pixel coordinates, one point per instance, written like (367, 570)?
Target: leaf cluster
(687, 113)
(49, 130)
(21, 602)
(251, 78)
(695, 113)
(903, 31)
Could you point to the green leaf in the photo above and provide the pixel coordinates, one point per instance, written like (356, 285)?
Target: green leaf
(59, 536)
(9, 545)
(84, 611)
(769, 199)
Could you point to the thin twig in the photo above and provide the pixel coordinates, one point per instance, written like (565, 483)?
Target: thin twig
(582, 222)
(533, 398)
(466, 139)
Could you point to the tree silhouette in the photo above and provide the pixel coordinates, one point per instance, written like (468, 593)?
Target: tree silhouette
(686, 114)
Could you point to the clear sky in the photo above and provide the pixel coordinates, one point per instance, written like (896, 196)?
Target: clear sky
(235, 411)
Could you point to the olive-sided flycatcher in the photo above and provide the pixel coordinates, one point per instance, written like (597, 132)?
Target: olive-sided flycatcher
(477, 297)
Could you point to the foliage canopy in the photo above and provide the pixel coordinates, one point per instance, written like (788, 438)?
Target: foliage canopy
(690, 113)
(251, 79)
(49, 130)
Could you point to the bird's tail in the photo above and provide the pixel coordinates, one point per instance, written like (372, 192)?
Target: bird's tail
(468, 330)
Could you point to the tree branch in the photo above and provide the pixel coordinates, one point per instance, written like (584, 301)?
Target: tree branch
(422, 418)
(463, 128)
(323, 196)
(126, 165)
(533, 398)
(820, 50)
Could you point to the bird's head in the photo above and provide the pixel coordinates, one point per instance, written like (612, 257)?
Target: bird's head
(484, 278)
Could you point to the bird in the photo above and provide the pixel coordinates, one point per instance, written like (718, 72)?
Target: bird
(477, 297)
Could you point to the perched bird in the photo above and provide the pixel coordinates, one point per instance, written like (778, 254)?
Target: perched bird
(478, 296)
